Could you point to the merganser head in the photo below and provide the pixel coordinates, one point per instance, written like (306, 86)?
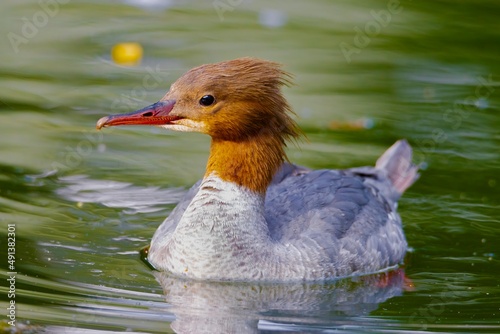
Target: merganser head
(239, 103)
(231, 100)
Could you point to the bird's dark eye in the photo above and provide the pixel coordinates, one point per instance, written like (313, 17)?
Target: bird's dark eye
(207, 100)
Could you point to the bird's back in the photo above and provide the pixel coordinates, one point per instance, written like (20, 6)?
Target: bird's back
(349, 214)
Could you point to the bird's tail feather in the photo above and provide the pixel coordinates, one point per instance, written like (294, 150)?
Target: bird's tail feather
(396, 162)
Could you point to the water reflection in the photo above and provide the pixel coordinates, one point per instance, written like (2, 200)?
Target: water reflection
(216, 307)
(115, 194)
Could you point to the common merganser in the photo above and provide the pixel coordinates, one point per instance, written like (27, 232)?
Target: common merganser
(254, 216)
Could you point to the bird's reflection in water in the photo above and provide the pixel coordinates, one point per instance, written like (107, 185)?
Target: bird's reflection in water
(217, 307)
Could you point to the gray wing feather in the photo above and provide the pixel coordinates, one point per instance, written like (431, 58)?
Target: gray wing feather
(321, 201)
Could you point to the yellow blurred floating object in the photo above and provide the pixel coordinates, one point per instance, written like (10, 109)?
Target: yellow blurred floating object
(128, 54)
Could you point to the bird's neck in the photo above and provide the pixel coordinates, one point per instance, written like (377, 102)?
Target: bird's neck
(249, 163)
(224, 228)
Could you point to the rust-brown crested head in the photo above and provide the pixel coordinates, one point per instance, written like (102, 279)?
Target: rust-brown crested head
(235, 99)
(231, 100)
